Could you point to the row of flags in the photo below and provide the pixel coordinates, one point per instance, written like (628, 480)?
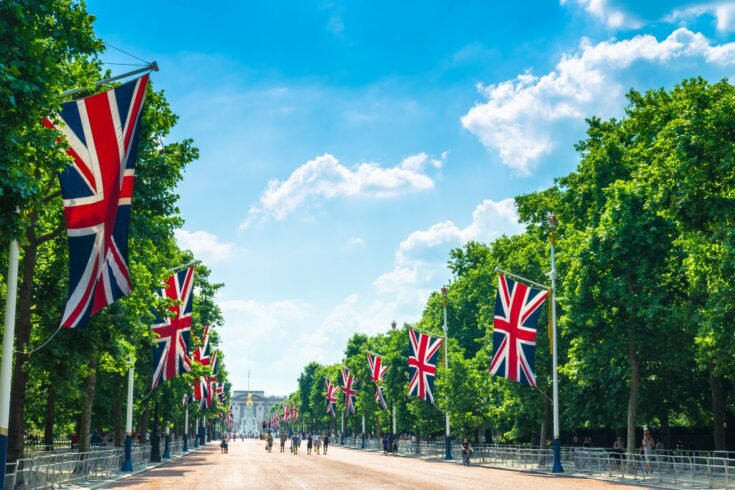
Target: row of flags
(517, 308)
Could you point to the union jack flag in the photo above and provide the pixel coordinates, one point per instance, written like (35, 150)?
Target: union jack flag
(377, 372)
(275, 422)
(201, 391)
(286, 414)
(212, 388)
(348, 388)
(171, 352)
(517, 308)
(228, 418)
(187, 399)
(221, 393)
(102, 132)
(202, 354)
(423, 351)
(294, 414)
(331, 396)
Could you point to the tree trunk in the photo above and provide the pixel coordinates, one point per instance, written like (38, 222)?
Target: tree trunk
(718, 409)
(144, 419)
(22, 338)
(544, 425)
(48, 423)
(666, 429)
(633, 400)
(117, 419)
(86, 422)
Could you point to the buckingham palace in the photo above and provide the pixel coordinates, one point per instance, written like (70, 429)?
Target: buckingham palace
(250, 409)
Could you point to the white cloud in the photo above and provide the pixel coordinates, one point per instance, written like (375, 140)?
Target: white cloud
(204, 245)
(355, 241)
(723, 12)
(602, 10)
(520, 115)
(326, 178)
(421, 258)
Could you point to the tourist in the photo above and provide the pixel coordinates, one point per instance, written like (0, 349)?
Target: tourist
(385, 444)
(317, 443)
(295, 441)
(647, 449)
(309, 444)
(325, 438)
(283, 442)
(223, 445)
(269, 443)
(617, 451)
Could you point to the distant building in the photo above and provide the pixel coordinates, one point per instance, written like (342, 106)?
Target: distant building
(249, 419)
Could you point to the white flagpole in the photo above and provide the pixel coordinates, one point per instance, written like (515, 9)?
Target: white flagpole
(153, 66)
(556, 468)
(186, 428)
(128, 462)
(6, 368)
(447, 433)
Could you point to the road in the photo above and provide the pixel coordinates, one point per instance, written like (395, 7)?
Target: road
(248, 465)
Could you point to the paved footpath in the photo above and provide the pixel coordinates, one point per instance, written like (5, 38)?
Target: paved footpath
(248, 465)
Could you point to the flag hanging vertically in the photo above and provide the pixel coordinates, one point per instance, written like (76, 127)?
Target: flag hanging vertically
(423, 351)
(377, 372)
(97, 189)
(171, 349)
(517, 308)
(212, 384)
(331, 396)
(294, 414)
(286, 414)
(201, 384)
(348, 388)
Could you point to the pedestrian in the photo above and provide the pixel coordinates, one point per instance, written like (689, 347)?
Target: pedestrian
(317, 444)
(617, 451)
(647, 446)
(385, 444)
(223, 445)
(295, 444)
(283, 442)
(269, 442)
(309, 444)
(325, 438)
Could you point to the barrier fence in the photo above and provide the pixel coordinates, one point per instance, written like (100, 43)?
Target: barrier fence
(54, 469)
(690, 469)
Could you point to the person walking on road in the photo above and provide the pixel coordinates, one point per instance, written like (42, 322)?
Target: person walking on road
(309, 444)
(295, 444)
(269, 442)
(317, 444)
(325, 438)
(283, 442)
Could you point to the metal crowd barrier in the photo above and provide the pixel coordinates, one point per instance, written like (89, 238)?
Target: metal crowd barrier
(51, 470)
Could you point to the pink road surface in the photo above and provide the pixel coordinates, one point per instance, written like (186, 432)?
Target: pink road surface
(248, 465)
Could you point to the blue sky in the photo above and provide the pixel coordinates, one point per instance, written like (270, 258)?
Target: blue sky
(346, 147)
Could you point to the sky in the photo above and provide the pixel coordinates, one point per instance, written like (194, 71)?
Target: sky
(347, 147)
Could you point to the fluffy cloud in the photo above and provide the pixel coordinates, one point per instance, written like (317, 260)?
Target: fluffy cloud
(421, 258)
(204, 245)
(723, 12)
(355, 241)
(520, 115)
(326, 178)
(604, 12)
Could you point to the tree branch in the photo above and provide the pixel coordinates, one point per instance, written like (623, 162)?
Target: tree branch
(49, 236)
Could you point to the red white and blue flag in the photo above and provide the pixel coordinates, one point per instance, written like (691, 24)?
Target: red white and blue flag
(377, 373)
(212, 387)
(517, 308)
(201, 391)
(171, 351)
(102, 131)
(294, 414)
(286, 414)
(201, 385)
(348, 388)
(331, 396)
(423, 351)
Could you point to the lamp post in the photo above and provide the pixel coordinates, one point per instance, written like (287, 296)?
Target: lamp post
(393, 326)
(167, 444)
(362, 444)
(447, 434)
(186, 428)
(196, 433)
(553, 225)
(6, 367)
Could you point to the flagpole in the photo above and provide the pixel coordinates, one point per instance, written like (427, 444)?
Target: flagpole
(556, 468)
(128, 462)
(6, 368)
(342, 434)
(516, 276)
(447, 433)
(167, 443)
(196, 433)
(153, 66)
(186, 428)
(362, 444)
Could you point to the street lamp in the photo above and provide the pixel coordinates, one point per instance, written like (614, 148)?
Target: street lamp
(553, 225)
(447, 435)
